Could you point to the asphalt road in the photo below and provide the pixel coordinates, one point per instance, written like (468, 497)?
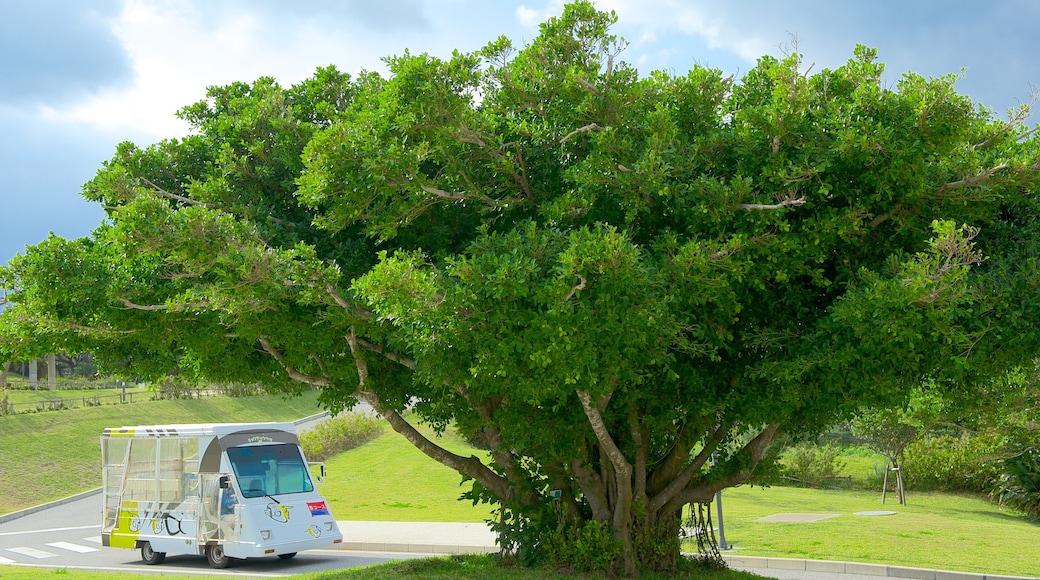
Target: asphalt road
(69, 536)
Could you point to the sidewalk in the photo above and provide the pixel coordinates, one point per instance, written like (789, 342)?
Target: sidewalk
(477, 538)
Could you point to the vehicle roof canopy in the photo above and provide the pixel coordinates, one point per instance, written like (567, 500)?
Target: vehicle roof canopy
(196, 430)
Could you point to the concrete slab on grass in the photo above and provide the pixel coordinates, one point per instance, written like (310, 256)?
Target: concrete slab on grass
(797, 517)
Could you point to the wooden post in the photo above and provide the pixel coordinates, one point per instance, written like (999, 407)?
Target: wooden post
(884, 485)
(899, 484)
(900, 490)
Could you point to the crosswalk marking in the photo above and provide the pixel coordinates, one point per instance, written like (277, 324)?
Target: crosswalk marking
(93, 539)
(72, 547)
(32, 553)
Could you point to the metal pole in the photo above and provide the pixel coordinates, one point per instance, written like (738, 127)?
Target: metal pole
(722, 528)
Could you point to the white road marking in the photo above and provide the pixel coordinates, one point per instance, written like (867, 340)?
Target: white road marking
(32, 553)
(72, 547)
(93, 539)
(22, 533)
(6, 560)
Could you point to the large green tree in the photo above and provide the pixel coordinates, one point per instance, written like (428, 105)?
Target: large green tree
(624, 286)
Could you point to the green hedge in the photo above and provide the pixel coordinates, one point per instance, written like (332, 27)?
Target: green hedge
(338, 434)
(947, 463)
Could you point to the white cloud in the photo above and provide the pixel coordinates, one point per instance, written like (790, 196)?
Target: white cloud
(531, 18)
(715, 23)
(177, 50)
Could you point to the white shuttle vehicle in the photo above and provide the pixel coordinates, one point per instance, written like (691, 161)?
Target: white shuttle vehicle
(226, 491)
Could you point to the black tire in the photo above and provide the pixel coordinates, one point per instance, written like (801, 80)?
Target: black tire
(286, 556)
(150, 556)
(216, 556)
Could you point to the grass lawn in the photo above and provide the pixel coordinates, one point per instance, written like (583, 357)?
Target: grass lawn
(55, 454)
(934, 530)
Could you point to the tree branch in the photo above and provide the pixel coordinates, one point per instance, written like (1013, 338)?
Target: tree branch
(292, 372)
(592, 486)
(455, 196)
(1014, 120)
(442, 193)
(783, 204)
(580, 286)
(171, 307)
(585, 129)
(679, 483)
(970, 181)
(471, 466)
(640, 439)
(162, 192)
(94, 329)
(755, 448)
(342, 303)
(622, 468)
(380, 349)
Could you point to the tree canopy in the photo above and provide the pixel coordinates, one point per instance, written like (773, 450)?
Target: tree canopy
(625, 286)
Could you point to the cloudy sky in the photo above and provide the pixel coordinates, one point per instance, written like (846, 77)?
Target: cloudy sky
(79, 76)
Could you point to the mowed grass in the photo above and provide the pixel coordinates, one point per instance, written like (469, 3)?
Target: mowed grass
(389, 479)
(941, 531)
(55, 454)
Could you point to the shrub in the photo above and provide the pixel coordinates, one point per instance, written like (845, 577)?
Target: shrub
(174, 388)
(239, 389)
(591, 547)
(338, 434)
(947, 463)
(1018, 486)
(812, 465)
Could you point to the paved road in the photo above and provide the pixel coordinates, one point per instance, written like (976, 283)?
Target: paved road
(69, 536)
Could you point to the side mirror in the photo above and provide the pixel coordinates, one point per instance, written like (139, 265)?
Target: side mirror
(225, 482)
(318, 471)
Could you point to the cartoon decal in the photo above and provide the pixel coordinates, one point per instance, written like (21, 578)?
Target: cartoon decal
(278, 512)
(158, 522)
(314, 531)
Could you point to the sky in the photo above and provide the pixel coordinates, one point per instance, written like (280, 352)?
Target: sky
(77, 77)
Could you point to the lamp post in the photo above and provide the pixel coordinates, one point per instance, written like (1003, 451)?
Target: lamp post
(722, 528)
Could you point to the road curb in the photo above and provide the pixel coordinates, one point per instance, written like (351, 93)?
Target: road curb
(38, 508)
(860, 568)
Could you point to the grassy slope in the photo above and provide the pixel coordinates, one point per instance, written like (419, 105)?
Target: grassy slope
(388, 479)
(47, 456)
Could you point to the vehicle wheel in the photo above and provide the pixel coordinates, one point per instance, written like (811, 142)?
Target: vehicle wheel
(286, 556)
(216, 556)
(150, 556)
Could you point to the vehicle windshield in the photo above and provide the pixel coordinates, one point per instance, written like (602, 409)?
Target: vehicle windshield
(270, 470)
